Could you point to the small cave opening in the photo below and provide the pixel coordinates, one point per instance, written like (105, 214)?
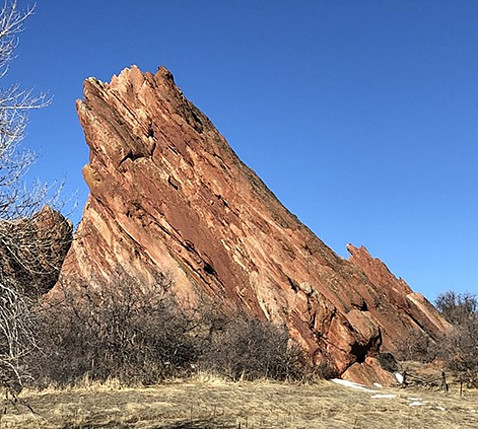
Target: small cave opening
(360, 351)
(209, 269)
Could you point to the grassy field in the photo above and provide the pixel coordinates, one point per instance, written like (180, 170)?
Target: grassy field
(215, 404)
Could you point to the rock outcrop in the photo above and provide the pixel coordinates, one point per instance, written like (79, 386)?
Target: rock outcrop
(168, 193)
(32, 251)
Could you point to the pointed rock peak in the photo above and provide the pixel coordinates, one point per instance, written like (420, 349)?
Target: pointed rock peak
(164, 73)
(134, 75)
(130, 74)
(362, 250)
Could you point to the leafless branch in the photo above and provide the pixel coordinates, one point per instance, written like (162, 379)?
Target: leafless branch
(23, 261)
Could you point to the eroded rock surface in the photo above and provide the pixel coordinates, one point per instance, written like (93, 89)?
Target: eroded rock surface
(168, 193)
(32, 251)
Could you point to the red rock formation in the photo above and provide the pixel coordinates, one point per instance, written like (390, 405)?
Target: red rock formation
(169, 194)
(33, 249)
(413, 304)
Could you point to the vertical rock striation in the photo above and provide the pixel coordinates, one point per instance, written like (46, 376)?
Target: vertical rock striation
(168, 193)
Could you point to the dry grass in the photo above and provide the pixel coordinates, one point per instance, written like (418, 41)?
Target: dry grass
(213, 403)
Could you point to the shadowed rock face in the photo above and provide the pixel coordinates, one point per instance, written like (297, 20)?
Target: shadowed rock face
(167, 193)
(32, 251)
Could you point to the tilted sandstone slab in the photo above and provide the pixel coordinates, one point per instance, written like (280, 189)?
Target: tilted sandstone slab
(167, 193)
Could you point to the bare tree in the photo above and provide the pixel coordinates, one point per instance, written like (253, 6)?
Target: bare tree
(457, 308)
(21, 243)
(15, 103)
(459, 349)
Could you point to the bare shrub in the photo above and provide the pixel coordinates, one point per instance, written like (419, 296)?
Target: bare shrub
(416, 346)
(459, 350)
(16, 335)
(457, 308)
(16, 203)
(250, 349)
(134, 333)
(140, 335)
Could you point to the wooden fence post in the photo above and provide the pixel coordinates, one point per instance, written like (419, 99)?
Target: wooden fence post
(444, 384)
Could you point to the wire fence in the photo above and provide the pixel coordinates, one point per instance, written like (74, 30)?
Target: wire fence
(441, 381)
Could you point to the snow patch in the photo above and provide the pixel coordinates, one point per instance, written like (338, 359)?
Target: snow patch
(377, 385)
(384, 396)
(416, 404)
(353, 385)
(399, 377)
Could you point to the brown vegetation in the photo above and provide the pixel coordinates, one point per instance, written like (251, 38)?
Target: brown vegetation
(215, 404)
(33, 242)
(139, 334)
(458, 349)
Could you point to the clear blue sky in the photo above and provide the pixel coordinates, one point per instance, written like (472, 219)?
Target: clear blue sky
(361, 116)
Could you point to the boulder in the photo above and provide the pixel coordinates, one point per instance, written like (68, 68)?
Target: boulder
(32, 251)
